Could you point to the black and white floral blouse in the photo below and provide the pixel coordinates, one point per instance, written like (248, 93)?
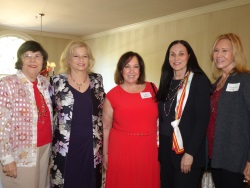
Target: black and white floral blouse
(63, 101)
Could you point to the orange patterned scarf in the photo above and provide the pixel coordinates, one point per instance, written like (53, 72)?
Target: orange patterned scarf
(180, 104)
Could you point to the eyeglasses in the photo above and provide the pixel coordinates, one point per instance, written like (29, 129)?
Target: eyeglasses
(37, 57)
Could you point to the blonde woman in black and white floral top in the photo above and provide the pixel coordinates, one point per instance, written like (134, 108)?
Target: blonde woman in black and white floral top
(78, 97)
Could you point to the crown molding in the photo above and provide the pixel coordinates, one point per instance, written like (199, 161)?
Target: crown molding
(189, 13)
(15, 33)
(38, 33)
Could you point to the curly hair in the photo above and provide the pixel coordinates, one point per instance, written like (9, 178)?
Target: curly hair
(30, 46)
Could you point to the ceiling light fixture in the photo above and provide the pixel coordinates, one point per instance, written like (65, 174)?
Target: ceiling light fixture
(41, 16)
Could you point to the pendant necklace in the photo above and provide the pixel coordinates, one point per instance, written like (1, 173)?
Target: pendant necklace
(171, 99)
(79, 84)
(175, 87)
(171, 103)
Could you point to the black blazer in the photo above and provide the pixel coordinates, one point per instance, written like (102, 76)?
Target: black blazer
(194, 122)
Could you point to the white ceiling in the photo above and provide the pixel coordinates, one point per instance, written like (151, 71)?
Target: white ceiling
(85, 17)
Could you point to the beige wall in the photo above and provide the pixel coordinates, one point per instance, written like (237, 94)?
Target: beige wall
(152, 41)
(54, 47)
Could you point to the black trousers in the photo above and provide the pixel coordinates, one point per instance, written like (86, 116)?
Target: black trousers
(225, 179)
(173, 177)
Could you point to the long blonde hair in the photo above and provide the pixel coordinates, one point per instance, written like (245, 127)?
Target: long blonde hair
(67, 53)
(238, 54)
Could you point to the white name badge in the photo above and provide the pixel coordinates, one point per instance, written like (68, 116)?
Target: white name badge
(145, 95)
(233, 87)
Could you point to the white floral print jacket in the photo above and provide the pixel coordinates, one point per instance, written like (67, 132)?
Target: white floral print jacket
(62, 99)
(18, 118)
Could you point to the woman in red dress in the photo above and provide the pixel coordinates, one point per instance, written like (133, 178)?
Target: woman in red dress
(130, 128)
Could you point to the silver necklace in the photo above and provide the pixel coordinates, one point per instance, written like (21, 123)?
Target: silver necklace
(171, 99)
(79, 84)
(171, 103)
(175, 87)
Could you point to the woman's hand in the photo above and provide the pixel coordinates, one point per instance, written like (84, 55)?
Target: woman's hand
(186, 163)
(10, 169)
(105, 161)
(247, 171)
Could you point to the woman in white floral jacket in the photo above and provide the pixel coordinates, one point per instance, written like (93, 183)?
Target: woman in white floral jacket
(25, 121)
(78, 97)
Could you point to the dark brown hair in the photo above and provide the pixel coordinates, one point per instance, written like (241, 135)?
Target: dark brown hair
(167, 71)
(124, 59)
(30, 46)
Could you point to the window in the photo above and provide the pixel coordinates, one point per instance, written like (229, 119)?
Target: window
(9, 44)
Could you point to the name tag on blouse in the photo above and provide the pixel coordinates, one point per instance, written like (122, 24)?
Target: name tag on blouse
(233, 87)
(145, 95)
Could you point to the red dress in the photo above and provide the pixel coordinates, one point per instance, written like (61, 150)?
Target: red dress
(132, 149)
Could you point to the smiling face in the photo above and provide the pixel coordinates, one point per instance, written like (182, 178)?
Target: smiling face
(223, 55)
(178, 58)
(79, 60)
(131, 71)
(32, 64)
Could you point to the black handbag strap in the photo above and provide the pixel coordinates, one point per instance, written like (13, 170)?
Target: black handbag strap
(153, 87)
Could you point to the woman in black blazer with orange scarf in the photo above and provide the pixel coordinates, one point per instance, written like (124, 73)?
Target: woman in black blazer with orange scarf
(184, 103)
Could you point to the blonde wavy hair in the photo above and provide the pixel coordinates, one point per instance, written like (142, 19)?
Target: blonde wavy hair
(67, 54)
(240, 60)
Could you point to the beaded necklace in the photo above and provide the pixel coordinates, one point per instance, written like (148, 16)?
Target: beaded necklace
(42, 111)
(79, 85)
(171, 99)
